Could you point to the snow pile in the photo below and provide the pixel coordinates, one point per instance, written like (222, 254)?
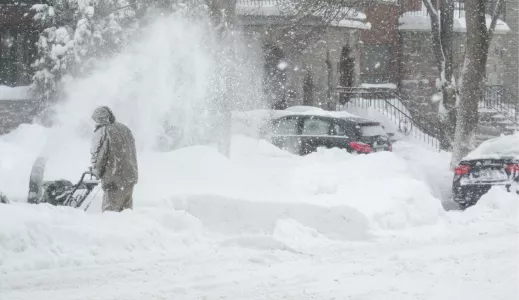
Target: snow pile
(497, 206)
(39, 236)
(373, 184)
(496, 214)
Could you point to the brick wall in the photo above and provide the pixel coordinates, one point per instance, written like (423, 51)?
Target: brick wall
(384, 30)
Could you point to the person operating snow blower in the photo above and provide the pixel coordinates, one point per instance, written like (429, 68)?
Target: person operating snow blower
(114, 160)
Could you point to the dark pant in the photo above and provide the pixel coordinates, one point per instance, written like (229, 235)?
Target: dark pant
(117, 198)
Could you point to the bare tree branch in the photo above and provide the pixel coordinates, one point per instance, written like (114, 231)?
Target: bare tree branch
(430, 9)
(495, 17)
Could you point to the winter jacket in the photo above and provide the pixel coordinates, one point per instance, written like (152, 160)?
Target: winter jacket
(114, 157)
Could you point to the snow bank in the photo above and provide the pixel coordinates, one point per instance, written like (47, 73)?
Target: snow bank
(263, 199)
(242, 217)
(379, 185)
(40, 237)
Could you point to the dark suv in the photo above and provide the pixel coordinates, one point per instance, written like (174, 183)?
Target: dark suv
(303, 134)
(493, 163)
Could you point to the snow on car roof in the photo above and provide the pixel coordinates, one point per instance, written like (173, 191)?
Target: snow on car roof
(317, 111)
(304, 108)
(504, 146)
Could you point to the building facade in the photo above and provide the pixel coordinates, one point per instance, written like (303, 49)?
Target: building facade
(419, 67)
(387, 43)
(302, 67)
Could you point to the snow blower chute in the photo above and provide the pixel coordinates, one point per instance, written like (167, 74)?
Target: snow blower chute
(59, 192)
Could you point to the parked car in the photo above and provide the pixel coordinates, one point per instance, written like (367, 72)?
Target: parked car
(305, 133)
(493, 163)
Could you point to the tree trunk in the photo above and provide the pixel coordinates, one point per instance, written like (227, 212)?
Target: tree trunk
(442, 33)
(222, 15)
(449, 88)
(472, 83)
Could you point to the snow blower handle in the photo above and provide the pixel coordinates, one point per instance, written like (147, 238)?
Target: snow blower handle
(91, 173)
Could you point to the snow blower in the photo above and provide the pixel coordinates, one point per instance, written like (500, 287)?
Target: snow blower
(59, 192)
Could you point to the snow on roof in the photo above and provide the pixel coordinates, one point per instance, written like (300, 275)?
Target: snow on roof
(352, 24)
(420, 21)
(352, 18)
(15, 93)
(378, 86)
(501, 147)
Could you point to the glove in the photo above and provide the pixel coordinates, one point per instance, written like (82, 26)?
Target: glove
(93, 172)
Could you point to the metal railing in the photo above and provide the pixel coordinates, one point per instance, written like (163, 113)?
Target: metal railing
(390, 104)
(499, 99)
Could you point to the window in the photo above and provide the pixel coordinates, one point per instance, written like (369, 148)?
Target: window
(286, 126)
(372, 130)
(314, 126)
(376, 66)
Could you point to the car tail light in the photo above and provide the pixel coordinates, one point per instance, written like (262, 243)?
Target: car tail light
(462, 170)
(512, 168)
(361, 147)
(390, 147)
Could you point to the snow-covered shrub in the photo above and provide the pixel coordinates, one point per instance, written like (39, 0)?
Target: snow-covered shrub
(76, 33)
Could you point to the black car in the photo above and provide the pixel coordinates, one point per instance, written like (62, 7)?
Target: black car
(303, 134)
(494, 163)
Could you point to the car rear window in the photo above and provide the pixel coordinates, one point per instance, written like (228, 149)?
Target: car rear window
(315, 126)
(372, 130)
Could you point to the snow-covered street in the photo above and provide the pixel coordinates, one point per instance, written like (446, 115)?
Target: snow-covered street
(267, 225)
(478, 269)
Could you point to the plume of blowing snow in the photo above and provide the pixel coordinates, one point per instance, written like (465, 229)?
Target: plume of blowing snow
(160, 86)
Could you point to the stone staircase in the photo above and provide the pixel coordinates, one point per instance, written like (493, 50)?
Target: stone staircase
(498, 113)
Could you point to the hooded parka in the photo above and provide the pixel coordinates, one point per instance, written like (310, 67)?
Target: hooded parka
(114, 159)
